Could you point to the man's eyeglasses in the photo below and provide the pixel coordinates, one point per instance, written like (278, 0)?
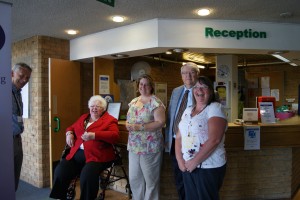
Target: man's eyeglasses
(188, 73)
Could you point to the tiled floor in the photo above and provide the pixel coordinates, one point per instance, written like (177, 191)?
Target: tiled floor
(29, 192)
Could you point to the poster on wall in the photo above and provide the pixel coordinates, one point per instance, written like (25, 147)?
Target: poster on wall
(251, 137)
(128, 91)
(104, 84)
(161, 92)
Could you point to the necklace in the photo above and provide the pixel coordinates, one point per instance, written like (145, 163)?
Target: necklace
(195, 112)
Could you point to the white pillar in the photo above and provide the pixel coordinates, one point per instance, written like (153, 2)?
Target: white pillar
(227, 72)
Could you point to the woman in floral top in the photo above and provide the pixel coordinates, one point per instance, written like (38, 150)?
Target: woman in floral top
(145, 119)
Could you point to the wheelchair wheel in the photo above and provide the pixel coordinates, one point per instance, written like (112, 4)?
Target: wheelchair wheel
(71, 193)
(101, 196)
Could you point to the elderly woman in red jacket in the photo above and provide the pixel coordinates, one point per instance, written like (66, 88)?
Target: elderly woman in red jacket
(90, 138)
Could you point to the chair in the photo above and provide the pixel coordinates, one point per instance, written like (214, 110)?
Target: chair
(106, 178)
(110, 175)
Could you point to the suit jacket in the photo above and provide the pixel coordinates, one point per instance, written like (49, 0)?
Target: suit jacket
(175, 98)
(106, 133)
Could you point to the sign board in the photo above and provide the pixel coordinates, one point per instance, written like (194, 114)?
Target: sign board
(7, 182)
(267, 112)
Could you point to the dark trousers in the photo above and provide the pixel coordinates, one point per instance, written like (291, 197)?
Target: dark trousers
(177, 173)
(68, 170)
(204, 184)
(18, 159)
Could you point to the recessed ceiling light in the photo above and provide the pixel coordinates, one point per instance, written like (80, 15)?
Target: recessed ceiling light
(277, 52)
(179, 50)
(203, 12)
(71, 32)
(120, 55)
(286, 15)
(118, 19)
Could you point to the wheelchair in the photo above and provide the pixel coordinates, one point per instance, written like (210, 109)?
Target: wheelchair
(108, 177)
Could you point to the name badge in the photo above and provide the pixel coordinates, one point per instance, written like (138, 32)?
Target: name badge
(20, 119)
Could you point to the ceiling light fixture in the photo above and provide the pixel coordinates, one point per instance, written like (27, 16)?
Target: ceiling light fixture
(281, 58)
(71, 32)
(118, 18)
(284, 59)
(203, 12)
(201, 66)
(120, 55)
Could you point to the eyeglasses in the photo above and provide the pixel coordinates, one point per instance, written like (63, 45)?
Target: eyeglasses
(202, 87)
(188, 73)
(94, 106)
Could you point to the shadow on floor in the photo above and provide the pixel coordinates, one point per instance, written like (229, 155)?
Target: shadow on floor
(27, 191)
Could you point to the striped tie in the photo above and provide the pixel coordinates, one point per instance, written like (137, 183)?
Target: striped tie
(180, 111)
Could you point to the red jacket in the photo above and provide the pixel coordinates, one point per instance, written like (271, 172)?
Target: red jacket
(106, 133)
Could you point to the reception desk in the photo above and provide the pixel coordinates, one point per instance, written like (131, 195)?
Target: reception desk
(272, 172)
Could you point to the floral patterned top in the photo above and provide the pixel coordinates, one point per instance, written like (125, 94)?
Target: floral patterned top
(144, 142)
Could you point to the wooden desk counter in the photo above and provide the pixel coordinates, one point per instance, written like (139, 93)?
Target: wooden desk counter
(269, 173)
(285, 133)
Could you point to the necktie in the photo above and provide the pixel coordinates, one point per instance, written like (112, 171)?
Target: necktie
(180, 111)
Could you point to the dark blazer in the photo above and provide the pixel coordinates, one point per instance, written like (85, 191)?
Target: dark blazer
(106, 133)
(175, 98)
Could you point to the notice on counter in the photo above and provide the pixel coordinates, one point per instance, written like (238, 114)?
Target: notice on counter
(104, 84)
(251, 137)
(250, 114)
(267, 112)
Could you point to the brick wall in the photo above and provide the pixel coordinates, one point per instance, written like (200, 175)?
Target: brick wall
(35, 51)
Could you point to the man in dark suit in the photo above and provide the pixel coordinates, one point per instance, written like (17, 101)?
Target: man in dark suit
(21, 73)
(189, 74)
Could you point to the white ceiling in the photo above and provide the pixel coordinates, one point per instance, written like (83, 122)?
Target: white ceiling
(53, 17)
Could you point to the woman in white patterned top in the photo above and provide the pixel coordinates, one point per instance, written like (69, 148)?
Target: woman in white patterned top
(199, 145)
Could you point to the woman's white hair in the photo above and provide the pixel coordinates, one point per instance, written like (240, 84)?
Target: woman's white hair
(103, 102)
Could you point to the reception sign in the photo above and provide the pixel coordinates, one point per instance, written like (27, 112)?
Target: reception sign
(7, 187)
